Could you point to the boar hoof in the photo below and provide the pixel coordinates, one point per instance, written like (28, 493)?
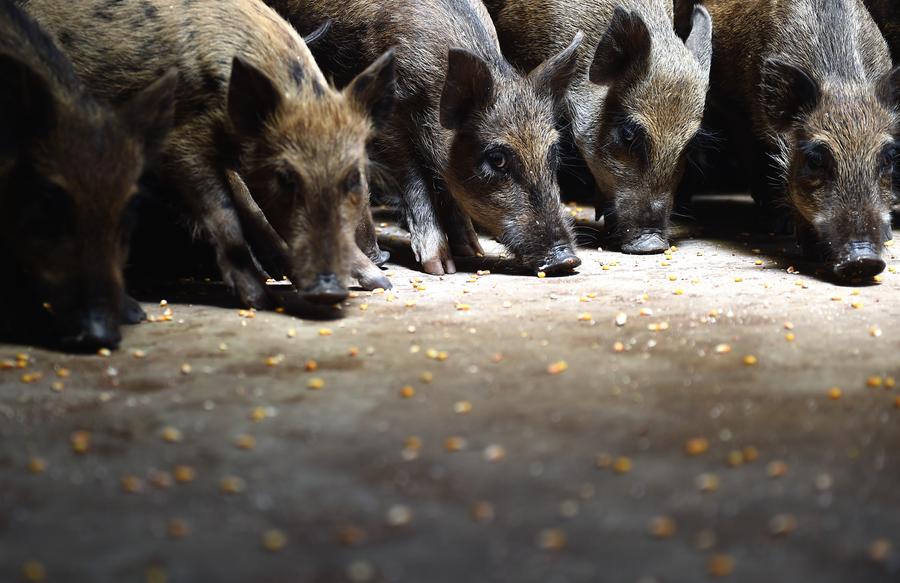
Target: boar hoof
(381, 257)
(647, 243)
(132, 312)
(371, 279)
(437, 266)
(327, 289)
(859, 261)
(252, 293)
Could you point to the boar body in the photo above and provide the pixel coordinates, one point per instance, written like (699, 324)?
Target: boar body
(470, 139)
(252, 110)
(809, 98)
(636, 105)
(69, 172)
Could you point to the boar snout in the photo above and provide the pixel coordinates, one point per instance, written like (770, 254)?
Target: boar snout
(91, 330)
(858, 260)
(561, 259)
(326, 289)
(645, 242)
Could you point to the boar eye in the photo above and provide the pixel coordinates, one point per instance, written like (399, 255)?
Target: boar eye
(497, 159)
(353, 182)
(816, 160)
(888, 159)
(288, 181)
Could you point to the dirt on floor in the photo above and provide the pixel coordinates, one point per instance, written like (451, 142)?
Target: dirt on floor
(717, 413)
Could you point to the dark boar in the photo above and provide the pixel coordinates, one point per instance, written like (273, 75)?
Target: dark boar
(253, 107)
(810, 96)
(69, 170)
(470, 140)
(637, 102)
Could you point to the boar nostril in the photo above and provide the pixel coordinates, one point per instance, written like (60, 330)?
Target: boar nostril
(327, 289)
(645, 243)
(858, 261)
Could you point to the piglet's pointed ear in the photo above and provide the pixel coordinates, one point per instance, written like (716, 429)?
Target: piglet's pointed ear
(699, 42)
(787, 92)
(557, 73)
(151, 112)
(469, 88)
(252, 97)
(375, 89)
(624, 49)
(889, 88)
(26, 100)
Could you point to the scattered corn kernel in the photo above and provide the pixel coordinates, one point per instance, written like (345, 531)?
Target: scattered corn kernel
(184, 474)
(33, 572)
(462, 407)
(177, 528)
(37, 465)
(782, 524)
(622, 465)
(835, 393)
(454, 444)
(232, 485)
(274, 540)
(245, 441)
(776, 469)
(325, 332)
(696, 446)
(661, 527)
(750, 360)
(171, 434)
(551, 539)
(315, 384)
(558, 367)
(81, 441)
(723, 348)
(720, 565)
(874, 382)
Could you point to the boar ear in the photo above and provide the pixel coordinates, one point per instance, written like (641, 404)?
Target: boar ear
(787, 92)
(889, 88)
(469, 87)
(151, 112)
(557, 73)
(26, 100)
(375, 89)
(699, 42)
(624, 48)
(252, 97)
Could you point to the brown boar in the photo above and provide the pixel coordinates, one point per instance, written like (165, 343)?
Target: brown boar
(69, 171)
(470, 140)
(810, 99)
(637, 103)
(251, 101)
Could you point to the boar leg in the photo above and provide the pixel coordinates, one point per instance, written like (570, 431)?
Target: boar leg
(267, 245)
(460, 231)
(206, 192)
(776, 217)
(366, 238)
(429, 242)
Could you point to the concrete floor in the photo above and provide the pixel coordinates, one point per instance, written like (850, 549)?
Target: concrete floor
(662, 459)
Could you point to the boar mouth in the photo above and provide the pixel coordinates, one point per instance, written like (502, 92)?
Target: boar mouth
(857, 260)
(90, 331)
(326, 289)
(645, 242)
(560, 260)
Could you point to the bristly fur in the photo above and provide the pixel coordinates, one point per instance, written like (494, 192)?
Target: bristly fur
(435, 146)
(662, 95)
(69, 170)
(251, 99)
(820, 72)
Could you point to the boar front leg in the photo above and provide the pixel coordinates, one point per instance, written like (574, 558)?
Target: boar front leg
(460, 231)
(207, 195)
(429, 241)
(267, 245)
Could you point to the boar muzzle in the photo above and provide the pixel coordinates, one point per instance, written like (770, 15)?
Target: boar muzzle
(645, 242)
(326, 289)
(91, 330)
(857, 260)
(561, 259)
